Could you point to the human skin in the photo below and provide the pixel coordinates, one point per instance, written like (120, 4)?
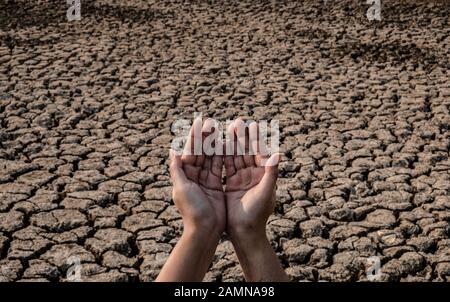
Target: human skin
(207, 210)
(250, 197)
(198, 195)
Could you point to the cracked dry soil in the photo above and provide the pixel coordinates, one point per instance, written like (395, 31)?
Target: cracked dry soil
(86, 109)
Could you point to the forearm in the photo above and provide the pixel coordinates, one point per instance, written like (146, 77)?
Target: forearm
(190, 258)
(258, 259)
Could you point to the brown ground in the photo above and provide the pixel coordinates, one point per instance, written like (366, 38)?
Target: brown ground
(86, 109)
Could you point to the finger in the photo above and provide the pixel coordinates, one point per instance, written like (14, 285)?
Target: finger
(207, 128)
(203, 177)
(242, 133)
(249, 158)
(237, 157)
(176, 168)
(262, 153)
(229, 140)
(239, 162)
(239, 129)
(192, 172)
(208, 163)
(230, 169)
(200, 159)
(268, 181)
(217, 163)
(189, 147)
(209, 137)
(261, 159)
(253, 138)
(193, 143)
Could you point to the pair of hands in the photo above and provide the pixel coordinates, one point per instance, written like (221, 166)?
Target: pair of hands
(207, 209)
(243, 207)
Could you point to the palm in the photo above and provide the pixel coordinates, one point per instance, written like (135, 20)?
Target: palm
(203, 189)
(244, 198)
(250, 186)
(197, 190)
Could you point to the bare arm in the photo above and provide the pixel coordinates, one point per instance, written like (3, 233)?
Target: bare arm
(198, 195)
(190, 258)
(258, 259)
(250, 197)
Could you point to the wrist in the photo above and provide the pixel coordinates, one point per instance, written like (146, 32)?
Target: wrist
(248, 238)
(257, 258)
(201, 231)
(248, 234)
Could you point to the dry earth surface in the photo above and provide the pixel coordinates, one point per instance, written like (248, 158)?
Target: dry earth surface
(86, 109)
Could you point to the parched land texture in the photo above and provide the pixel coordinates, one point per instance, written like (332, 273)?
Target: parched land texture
(86, 109)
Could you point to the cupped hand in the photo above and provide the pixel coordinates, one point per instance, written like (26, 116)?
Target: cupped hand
(197, 183)
(250, 182)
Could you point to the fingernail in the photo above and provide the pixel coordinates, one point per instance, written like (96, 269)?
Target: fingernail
(273, 160)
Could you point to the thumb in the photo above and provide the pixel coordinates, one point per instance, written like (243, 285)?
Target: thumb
(269, 179)
(176, 168)
(271, 165)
